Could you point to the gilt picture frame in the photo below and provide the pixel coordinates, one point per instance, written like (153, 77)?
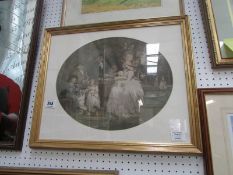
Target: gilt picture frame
(44, 171)
(219, 27)
(216, 112)
(124, 88)
(118, 11)
(18, 52)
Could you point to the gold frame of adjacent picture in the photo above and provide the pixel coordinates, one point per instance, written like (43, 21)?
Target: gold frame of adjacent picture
(194, 146)
(42, 171)
(212, 37)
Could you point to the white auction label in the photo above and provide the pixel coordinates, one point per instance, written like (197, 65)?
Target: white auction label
(178, 130)
(50, 104)
(177, 136)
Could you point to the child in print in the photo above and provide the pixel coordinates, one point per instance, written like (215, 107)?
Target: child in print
(81, 101)
(92, 99)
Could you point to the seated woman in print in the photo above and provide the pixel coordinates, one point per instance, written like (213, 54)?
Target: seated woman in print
(126, 91)
(117, 94)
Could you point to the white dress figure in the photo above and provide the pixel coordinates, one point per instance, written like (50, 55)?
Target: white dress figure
(93, 100)
(134, 93)
(115, 103)
(126, 92)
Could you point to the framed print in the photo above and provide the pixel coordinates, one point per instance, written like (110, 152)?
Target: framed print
(41, 171)
(19, 25)
(88, 11)
(116, 89)
(217, 129)
(219, 26)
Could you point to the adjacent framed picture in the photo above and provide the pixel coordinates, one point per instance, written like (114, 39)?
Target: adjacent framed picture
(116, 89)
(216, 111)
(218, 22)
(19, 26)
(89, 11)
(42, 171)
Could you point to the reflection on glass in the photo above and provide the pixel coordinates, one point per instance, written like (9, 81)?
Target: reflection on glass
(209, 102)
(152, 60)
(152, 63)
(12, 21)
(223, 13)
(152, 51)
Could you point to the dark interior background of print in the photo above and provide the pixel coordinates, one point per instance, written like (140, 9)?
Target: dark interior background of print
(100, 86)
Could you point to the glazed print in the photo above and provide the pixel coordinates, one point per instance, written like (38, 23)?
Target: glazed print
(95, 6)
(121, 83)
